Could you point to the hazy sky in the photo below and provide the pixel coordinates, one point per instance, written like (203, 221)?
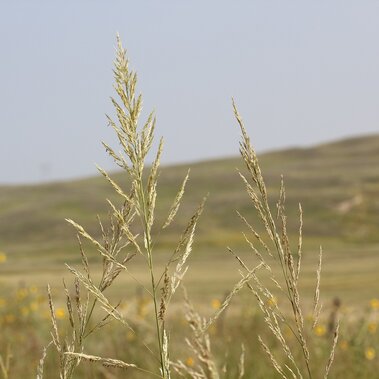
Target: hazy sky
(301, 71)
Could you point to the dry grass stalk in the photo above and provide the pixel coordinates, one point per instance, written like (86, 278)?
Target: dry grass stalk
(316, 302)
(176, 204)
(5, 364)
(67, 364)
(204, 365)
(237, 287)
(41, 363)
(289, 264)
(119, 244)
(107, 362)
(241, 365)
(332, 352)
(200, 346)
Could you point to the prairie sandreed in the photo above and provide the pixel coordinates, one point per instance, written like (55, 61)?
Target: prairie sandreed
(131, 231)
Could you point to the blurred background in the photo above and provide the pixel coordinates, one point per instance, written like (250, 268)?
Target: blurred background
(305, 78)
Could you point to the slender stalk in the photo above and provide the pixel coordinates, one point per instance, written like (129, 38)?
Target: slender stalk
(151, 269)
(90, 315)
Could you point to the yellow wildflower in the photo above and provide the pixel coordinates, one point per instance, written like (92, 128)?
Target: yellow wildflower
(34, 306)
(25, 311)
(3, 302)
(60, 313)
(370, 353)
(372, 327)
(3, 257)
(374, 303)
(190, 361)
(320, 330)
(142, 311)
(21, 293)
(216, 304)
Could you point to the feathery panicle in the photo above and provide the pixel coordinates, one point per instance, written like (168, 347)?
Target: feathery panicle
(200, 345)
(289, 265)
(41, 362)
(54, 333)
(272, 358)
(237, 287)
(107, 362)
(152, 187)
(165, 294)
(316, 300)
(332, 351)
(183, 249)
(241, 365)
(102, 250)
(167, 370)
(69, 309)
(175, 206)
(88, 284)
(300, 243)
(115, 186)
(120, 243)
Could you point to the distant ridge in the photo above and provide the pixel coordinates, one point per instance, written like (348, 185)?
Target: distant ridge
(327, 178)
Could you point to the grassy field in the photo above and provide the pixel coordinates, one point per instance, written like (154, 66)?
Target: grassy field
(337, 185)
(252, 289)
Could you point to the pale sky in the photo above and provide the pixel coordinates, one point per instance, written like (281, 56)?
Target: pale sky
(302, 72)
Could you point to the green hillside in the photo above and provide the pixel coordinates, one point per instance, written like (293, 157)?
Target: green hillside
(336, 183)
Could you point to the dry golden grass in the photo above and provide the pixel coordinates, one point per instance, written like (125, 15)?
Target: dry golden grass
(153, 330)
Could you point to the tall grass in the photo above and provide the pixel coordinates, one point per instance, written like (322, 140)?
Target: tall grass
(276, 245)
(131, 231)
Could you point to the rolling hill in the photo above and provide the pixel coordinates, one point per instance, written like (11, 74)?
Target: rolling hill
(336, 183)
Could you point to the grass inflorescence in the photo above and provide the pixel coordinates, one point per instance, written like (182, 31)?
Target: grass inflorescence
(96, 333)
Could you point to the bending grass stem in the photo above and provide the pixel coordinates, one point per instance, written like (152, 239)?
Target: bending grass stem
(151, 269)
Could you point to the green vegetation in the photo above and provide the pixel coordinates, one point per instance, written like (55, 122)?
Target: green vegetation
(337, 185)
(118, 313)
